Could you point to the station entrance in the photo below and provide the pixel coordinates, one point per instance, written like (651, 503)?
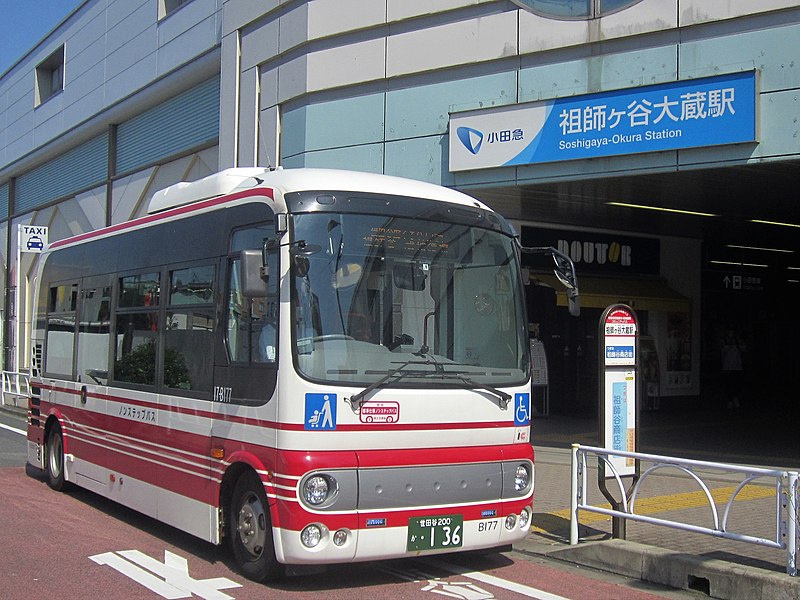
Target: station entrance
(725, 243)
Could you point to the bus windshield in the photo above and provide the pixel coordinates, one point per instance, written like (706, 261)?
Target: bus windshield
(376, 294)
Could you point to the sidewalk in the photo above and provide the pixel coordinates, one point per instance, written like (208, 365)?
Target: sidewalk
(717, 567)
(14, 410)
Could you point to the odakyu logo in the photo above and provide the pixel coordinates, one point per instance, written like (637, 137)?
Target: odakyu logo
(471, 138)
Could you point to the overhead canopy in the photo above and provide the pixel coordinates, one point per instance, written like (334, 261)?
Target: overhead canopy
(644, 293)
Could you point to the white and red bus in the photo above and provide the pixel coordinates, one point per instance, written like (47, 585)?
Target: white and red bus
(317, 366)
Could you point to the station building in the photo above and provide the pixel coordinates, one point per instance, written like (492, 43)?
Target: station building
(654, 141)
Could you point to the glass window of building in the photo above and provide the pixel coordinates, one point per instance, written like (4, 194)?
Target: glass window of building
(575, 9)
(50, 76)
(167, 7)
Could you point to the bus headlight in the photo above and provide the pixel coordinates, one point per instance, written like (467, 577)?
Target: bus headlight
(522, 478)
(315, 490)
(511, 521)
(524, 518)
(311, 536)
(319, 490)
(340, 538)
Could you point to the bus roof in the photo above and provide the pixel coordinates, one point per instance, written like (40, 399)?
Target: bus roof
(302, 180)
(212, 190)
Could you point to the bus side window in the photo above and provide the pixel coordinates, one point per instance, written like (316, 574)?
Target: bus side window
(60, 340)
(94, 334)
(268, 335)
(136, 335)
(189, 331)
(238, 333)
(252, 322)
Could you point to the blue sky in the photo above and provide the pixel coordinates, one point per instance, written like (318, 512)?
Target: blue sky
(23, 23)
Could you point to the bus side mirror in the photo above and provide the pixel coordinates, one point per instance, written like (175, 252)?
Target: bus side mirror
(573, 300)
(564, 271)
(255, 274)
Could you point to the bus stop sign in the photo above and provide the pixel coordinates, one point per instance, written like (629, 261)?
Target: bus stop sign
(618, 393)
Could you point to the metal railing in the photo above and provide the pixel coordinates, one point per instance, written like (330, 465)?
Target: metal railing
(15, 389)
(785, 485)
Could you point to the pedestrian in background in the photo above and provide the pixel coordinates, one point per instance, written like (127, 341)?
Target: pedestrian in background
(732, 368)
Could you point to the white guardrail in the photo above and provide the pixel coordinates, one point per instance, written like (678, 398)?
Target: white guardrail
(15, 389)
(785, 484)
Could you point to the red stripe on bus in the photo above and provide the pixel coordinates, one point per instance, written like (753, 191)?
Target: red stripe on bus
(173, 212)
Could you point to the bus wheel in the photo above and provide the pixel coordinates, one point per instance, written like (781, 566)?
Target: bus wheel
(55, 459)
(250, 530)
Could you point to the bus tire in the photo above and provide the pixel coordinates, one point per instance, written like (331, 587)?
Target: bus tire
(250, 530)
(54, 453)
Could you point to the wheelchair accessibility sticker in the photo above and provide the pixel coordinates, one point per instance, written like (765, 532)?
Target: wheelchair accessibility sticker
(320, 412)
(522, 410)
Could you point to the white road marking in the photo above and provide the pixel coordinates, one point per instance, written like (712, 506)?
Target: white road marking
(461, 590)
(13, 429)
(140, 576)
(495, 581)
(169, 579)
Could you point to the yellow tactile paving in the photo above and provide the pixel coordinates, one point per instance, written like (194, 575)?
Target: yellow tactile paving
(660, 504)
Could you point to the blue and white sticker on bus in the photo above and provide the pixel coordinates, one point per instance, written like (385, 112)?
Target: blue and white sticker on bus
(522, 409)
(320, 412)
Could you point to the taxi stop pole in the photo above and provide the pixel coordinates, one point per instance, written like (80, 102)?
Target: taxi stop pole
(618, 403)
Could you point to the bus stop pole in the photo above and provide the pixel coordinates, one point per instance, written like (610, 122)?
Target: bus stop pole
(618, 400)
(791, 528)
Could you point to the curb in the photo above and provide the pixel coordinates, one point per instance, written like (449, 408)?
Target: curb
(712, 577)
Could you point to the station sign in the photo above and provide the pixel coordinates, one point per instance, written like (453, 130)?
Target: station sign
(676, 115)
(740, 282)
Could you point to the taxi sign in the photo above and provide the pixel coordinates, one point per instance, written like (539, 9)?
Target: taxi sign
(32, 238)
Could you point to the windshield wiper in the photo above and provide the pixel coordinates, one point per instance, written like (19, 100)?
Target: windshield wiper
(397, 374)
(502, 396)
(355, 400)
(430, 359)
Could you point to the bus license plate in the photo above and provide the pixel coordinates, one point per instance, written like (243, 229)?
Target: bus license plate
(435, 533)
